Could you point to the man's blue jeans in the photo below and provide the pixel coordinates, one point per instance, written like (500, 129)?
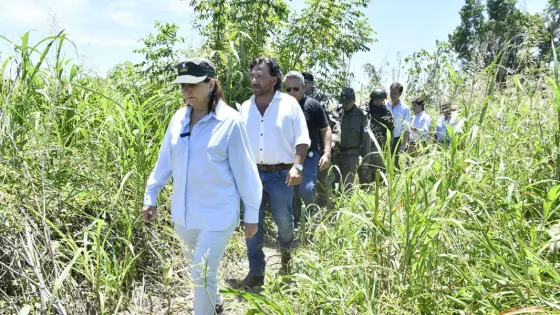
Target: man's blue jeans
(306, 190)
(281, 197)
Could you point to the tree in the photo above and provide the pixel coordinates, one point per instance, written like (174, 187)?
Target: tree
(324, 37)
(520, 36)
(464, 37)
(236, 33)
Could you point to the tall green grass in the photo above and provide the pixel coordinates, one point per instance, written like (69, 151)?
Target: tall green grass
(469, 229)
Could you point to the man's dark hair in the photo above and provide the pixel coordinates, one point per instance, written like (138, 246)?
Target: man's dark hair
(398, 86)
(308, 76)
(274, 69)
(419, 102)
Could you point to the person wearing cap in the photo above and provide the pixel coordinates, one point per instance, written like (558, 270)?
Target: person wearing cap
(327, 176)
(319, 132)
(401, 114)
(312, 91)
(449, 118)
(421, 126)
(206, 150)
(381, 124)
(354, 138)
(279, 139)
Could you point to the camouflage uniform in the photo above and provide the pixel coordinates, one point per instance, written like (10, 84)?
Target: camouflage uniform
(354, 141)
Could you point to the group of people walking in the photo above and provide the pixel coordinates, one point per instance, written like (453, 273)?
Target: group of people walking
(277, 146)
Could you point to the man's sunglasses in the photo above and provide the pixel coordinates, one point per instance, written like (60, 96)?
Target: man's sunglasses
(296, 89)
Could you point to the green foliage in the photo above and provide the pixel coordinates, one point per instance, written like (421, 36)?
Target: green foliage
(478, 40)
(469, 229)
(431, 76)
(236, 33)
(465, 35)
(323, 37)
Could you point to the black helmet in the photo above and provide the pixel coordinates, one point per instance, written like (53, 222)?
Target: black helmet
(378, 93)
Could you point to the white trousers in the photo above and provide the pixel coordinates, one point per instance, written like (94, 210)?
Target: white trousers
(204, 251)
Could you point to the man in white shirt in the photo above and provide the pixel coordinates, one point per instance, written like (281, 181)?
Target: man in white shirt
(421, 126)
(279, 139)
(401, 115)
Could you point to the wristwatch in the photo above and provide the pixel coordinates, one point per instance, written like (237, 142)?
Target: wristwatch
(298, 167)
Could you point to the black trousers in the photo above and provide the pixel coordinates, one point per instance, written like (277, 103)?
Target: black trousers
(395, 149)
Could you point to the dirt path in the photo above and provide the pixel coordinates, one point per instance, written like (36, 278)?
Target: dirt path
(234, 268)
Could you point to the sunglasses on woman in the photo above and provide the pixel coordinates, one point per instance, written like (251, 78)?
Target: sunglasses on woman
(296, 89)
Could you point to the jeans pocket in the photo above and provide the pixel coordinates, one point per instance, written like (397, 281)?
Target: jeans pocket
(282, 174)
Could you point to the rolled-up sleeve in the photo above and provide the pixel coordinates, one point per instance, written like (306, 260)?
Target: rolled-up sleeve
(301, 133)
(161, 173)
(245, 173)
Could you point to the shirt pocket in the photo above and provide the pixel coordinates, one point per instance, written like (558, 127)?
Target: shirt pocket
(355, 126)
(217, 148)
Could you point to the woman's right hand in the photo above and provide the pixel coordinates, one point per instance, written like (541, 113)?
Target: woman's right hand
(149, 213)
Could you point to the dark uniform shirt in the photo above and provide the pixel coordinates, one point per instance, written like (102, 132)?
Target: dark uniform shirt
(316, 119)
(380, 120)
(354, 137)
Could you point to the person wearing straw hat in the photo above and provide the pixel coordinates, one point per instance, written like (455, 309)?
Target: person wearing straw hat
(449, 118)
(206, 150)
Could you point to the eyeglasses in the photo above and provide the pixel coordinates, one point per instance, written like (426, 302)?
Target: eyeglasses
(296, 89)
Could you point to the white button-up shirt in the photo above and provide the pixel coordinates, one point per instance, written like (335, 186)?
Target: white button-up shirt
(212, 170)
(274, 135)
(423, 123)
(401, 114)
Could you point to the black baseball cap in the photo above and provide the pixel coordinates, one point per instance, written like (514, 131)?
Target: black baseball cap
(194, 70)
(347, 96)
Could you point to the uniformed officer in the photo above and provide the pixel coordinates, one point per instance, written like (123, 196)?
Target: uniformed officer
(354, 137)
(381, 123)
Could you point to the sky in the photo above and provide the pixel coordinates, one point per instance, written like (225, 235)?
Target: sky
(106, 31)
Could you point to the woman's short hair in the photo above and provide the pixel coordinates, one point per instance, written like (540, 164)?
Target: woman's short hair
(419, 102)
(273, 67)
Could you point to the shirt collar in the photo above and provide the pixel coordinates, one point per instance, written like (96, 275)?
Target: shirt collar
(277, 94)
(391, 104)
(220, 113)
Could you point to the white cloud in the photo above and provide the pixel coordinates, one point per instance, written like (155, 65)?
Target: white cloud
(126, 18)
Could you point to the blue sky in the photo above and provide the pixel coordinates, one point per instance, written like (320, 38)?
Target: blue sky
(106, 31)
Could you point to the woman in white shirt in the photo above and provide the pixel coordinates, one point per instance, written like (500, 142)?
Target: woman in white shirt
(421, 126)
(207, 151)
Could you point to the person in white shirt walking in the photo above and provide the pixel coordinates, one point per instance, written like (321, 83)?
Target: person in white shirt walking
(421, 126)
(401, 115)
(279, 139)
(206, 150)
(449, 118)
